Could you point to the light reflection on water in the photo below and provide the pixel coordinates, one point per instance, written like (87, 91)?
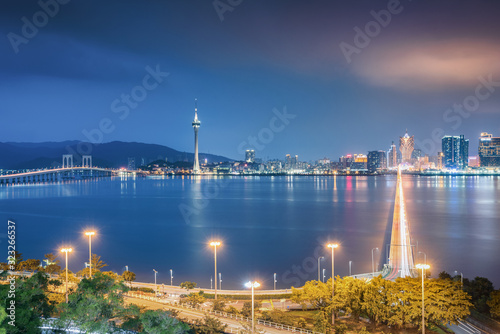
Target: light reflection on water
(268, 224)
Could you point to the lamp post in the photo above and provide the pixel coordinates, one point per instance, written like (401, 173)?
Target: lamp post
(66, 250)
(319, 266)
(253, 285)
(461, 278)
(333, 246)
(275, 281)
(90, 234)
(220, 281)
(156, 288)
(211, 284)
(215, 244)
(373, 267)
(423, 267)
(350, 266)
(126, 268)
(171, 277)
(324, 275)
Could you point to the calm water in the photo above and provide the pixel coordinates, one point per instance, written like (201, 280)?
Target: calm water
(266, 224)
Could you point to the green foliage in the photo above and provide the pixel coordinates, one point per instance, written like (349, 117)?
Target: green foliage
(340, 329)
(128, 276)
(31, 265)
(444, 275)
(209, 325)
(50, 258)
(480, 289)
(314, 293)
(322, 322)
(52, 269)
(188, 285)
(162, 322)
(195, 299)
(95, 302)
(218, 305)
(301, 323)
(363, 330)
(494, 304)
(278, 316)
(31, 303)
(131, 318)
(146, 290)
(231, 309)
(246, 310)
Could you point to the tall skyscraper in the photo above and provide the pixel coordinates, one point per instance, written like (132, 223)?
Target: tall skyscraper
(196, 126)
(406, 144)
(392, 156)
(455, 151)
(489, 150)
(376, 161)
(250, 156)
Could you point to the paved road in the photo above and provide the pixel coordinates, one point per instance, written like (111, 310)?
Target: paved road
(233, 325)
(465, 327)
(178, 290)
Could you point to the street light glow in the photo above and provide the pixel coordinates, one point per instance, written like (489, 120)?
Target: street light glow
(89, 233)
(422, 266)
(215, 243)
(333, 245)
(250, 284)
(66, 250)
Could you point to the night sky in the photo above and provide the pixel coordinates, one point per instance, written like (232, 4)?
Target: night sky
(348, 83)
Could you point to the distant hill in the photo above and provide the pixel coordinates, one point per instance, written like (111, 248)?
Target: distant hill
(114, 154)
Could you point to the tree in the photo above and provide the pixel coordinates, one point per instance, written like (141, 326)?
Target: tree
(218, 305)
(188, 285)
(314, 293)
(349, 293)
(31, 265)
(95, 302)
(52, 269)
(159, 322)
(128, 276)
(246, 310)
(195, 299)
(494, 304)
(444, 275)
(231, 309)
(50, 258)
(322, 321)
(480, 289)
(30, 301)
(209, 325)
(131, 318)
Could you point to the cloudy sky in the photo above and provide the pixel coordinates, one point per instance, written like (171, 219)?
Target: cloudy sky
(313, 78)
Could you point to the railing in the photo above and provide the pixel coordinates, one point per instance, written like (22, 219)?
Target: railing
(224, 314)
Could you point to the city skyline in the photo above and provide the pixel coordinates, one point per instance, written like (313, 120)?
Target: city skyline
(70, 80)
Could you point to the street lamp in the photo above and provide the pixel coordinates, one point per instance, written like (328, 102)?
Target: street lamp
(324, 275)
(66, 250)
(253, 285)
(373, 267)
(156, 288)
(423, 267)
(126, 268)
(275, 281)
(171, 277)
(461, 278)
(220, 281)
(333, 246)
(90, 234)
(215, 244)
(319, 266)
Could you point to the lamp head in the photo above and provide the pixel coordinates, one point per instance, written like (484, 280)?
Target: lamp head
(333, 245)
(89, 233)
(422, 266)
(215, 243)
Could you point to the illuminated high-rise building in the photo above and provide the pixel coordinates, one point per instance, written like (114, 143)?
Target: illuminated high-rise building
(250, 156)
(406, 144)
(456, 151)
(489, 150)
(196, 125)
(392, 157)
(376, 161)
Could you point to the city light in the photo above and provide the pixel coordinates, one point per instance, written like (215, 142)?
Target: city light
(90, 234)
(253, 285)
(66, 251)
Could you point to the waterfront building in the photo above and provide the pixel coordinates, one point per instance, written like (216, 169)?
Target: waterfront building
(196, 125)
(392, 157)
(489, 150)
(131, 164)
(250, 156)
(376, 161)
(456, 151)
(406, 145)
